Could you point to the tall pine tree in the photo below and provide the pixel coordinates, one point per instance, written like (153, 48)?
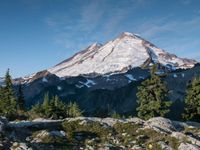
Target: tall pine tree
(8, 106)
(8, 89)
(59, 109)
(152, 97)
(192, 101)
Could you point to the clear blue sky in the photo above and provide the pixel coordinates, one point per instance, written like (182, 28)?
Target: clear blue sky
(37, 34)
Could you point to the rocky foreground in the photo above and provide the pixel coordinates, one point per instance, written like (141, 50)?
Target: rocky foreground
(87, 133)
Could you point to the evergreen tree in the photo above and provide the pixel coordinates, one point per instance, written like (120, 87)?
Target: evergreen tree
(59, 109)
(21, 101)
(41, 110)
(8, 106)
(73, 110)
(152, 97)
(192, 101)
(52, 108)
(8, 89)
(36, 111)
(46, 107)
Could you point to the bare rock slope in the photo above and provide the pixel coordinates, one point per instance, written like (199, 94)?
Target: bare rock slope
(101, 133)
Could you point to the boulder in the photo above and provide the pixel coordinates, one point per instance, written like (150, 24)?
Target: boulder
(160, 124)
(104, 121)
(111, 121)
(193, 140)
(164, 146)
(182, 137)
(42, 135)
(20, 146)
(135, 120)
(39, 124)
(87, 119)
(187, 146)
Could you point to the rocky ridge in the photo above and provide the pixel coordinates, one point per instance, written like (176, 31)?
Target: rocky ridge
(90, 133)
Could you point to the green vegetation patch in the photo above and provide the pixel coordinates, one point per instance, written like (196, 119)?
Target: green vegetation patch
(82, 132)
(133, 134)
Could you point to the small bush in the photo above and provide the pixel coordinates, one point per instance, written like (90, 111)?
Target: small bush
(89, 129)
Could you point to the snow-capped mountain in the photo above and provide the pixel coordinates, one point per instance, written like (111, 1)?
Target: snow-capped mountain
(118, 56)
(103, 77)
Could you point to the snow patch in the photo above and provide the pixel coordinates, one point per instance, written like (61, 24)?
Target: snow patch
(79, 86)
(175, 75)
(88, 83)
(153, 56)
(141, 77)
(130, 77)
(62, 79)
(29, 76)
(59, 88)
(44, 79)
(107, 77)
(159, 72)
(151, 64)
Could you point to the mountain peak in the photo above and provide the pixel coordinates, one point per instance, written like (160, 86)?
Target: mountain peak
(117, 56)
(128, 34)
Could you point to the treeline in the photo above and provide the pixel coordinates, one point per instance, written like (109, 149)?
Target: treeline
(12, 106)
(152, 101)
(54, 108)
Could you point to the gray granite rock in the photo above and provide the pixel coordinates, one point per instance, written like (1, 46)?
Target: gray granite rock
(187, 146)
(161, 124)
